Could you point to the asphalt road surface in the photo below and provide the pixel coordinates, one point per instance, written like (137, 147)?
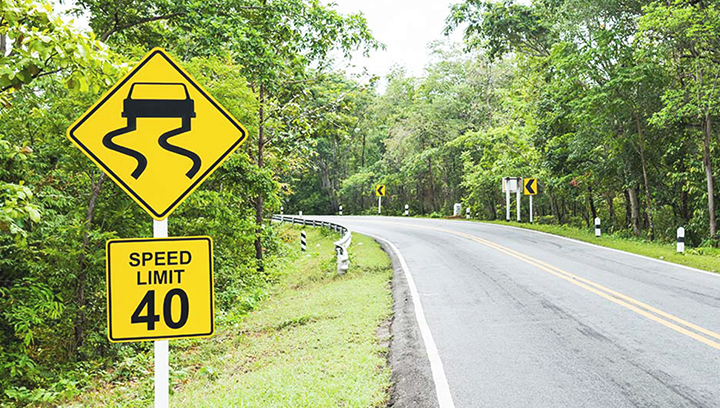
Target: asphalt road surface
(525, 319)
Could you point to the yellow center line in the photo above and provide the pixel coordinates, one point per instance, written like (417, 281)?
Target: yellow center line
(614, 296)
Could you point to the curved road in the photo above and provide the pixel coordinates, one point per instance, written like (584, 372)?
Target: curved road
(525, 319)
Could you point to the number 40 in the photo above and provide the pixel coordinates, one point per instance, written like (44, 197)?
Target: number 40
(150, 318)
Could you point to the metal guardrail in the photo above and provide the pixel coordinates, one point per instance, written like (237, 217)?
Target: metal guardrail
(341, 246)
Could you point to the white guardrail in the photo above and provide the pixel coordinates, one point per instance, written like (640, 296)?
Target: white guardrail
(341, 246)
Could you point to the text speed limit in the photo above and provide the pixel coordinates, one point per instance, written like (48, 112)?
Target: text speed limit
(159, 288)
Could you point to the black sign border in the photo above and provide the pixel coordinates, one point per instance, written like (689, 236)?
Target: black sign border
(109, 291)
(162, 215)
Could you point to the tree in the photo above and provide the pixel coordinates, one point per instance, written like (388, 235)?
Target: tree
(685, 34)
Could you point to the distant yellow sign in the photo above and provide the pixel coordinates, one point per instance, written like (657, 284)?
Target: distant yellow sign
(157, 134)
(380, 190)
(530, 186)
(159, 288)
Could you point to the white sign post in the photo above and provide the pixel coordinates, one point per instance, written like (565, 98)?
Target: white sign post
(379, 204)
(531, 212)
(510, 185)
(162, 348)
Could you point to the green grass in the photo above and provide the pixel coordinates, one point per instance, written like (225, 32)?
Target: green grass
(316, 341)
(702, 258)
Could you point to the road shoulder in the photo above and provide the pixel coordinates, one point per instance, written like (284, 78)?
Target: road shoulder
(412, 380)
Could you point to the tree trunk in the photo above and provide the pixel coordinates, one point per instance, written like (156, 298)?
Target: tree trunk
(553, 208)
(648, 200)
(259, 200)
(432, 186)
(634, 211)
(610, 197)
(707, 130)
(81, 280)
(593, 211)
(684, 213)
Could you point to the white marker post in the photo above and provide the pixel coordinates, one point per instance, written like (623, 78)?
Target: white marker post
(300, 213)
(681, 239)
(531, 213)
(303, 241)
(597, 227)
(162, 352)
(379, 204)
(281, 210)
(407, 210)
(467, 213)
(341, 210)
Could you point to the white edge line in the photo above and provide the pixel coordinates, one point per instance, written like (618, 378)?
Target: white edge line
(689, 268)
(442, 388)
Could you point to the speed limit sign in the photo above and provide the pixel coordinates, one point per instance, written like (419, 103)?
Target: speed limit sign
(159, 288)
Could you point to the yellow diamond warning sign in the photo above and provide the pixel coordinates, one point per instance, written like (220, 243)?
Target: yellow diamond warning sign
(158, 134)
(159, 288)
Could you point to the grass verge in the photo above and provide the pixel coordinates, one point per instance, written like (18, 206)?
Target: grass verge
(316, 341)
(702, 258)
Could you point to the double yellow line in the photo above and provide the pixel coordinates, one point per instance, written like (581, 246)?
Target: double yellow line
(666, 319)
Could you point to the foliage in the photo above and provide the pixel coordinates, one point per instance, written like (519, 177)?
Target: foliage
(611, 104)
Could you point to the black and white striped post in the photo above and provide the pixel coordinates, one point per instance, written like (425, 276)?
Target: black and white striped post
(597, 227)
(681, 239)
(341, 210)
(281, 210)
(303, 241)
(407, 210)
(467, 213)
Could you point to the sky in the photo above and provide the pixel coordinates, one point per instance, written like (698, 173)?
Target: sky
(406, 27)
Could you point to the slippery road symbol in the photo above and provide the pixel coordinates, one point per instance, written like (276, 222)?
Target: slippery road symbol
(156, 108)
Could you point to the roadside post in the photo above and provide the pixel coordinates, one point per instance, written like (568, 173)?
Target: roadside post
(530, 189)
(158, 172)
(681, 239)
(457, 208)
(340, 210)
(303, 241)
(467, 213)
(407, 210)
(380, 193)
(281, 210)
(597, 227)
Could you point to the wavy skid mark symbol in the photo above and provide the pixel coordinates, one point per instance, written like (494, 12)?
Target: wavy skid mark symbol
(108, 142)
(179, 150)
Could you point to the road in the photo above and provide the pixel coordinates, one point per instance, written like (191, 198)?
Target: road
(524, 319)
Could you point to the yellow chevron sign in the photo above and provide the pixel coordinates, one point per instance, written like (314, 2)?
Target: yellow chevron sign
(530, 186)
